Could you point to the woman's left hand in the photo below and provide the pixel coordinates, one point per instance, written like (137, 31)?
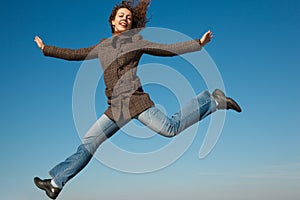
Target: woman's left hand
(206, 38)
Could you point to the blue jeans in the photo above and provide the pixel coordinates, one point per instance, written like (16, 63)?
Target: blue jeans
(197, 109)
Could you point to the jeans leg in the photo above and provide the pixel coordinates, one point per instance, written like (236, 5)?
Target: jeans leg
(197, 109)
(98, 133)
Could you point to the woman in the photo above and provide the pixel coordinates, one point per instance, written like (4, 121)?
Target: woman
(119, 58)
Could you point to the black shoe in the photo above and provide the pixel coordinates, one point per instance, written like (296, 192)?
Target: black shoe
(225, 102)
(45, 185)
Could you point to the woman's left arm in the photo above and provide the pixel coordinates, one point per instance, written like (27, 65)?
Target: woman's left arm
(158, 49)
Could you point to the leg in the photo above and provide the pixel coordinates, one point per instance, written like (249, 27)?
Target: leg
(98, 133)
(196, 110)
(64, 171)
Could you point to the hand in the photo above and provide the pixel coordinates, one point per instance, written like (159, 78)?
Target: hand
(206, 38)
(39, 42)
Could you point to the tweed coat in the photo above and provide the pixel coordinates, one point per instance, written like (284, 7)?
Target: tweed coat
(119, 57)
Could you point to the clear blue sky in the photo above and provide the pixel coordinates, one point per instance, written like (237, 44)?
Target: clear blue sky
(256, 48)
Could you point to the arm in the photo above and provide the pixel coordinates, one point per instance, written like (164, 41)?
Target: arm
(177, 48)
(65, 53)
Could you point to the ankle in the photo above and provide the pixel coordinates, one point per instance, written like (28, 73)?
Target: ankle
(54, 184)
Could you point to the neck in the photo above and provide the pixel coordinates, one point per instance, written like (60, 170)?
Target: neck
(116, 33)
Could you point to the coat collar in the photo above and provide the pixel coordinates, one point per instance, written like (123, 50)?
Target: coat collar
(125, 37)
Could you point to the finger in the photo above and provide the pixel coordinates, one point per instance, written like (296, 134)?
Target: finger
(38, 38)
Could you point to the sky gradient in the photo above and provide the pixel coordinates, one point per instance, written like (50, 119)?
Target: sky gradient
(256, 49)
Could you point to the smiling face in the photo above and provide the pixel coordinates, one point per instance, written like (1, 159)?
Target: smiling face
(122, 21)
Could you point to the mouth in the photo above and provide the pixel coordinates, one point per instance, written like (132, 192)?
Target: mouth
(124, 24)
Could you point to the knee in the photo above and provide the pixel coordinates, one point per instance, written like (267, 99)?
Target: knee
(171, 129)
(170, 135)
(170, 132)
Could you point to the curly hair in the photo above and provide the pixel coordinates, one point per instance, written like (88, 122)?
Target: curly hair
(138, 8)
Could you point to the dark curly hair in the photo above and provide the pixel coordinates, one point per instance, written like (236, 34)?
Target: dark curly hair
(138, 8)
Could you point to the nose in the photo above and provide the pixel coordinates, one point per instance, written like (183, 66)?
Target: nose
(125, 18)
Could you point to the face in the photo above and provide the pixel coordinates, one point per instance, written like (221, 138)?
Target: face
(122, 21)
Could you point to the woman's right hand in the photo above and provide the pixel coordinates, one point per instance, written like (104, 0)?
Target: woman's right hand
(39, 42)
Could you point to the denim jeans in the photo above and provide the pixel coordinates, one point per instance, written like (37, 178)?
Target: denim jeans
(198, 108)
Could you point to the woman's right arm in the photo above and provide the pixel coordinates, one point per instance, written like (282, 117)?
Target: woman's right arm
(66, 53)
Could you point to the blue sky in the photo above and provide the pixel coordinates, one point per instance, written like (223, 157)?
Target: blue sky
(256, 49)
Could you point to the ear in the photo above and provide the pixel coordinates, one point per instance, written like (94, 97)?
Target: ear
(113, 22)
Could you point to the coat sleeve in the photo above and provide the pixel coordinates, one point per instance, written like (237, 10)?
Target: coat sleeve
(158, 49)
(71, 54)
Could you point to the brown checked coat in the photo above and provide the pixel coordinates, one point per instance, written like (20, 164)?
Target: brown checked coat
(119, 57)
